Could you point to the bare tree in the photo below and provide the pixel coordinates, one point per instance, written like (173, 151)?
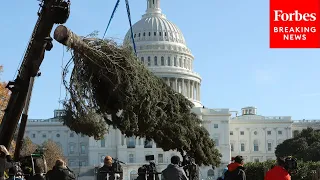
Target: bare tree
(52, 153)
(28, 147)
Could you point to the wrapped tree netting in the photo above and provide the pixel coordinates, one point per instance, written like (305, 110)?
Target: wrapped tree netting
(109, 86)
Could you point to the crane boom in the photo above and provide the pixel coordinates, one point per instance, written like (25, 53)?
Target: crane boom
(51, 12)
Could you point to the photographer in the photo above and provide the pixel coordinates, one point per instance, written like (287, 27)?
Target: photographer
(110, 170)
(60, 171)
(141, 173)
(174, 171)
(6, 161)
(280, 171)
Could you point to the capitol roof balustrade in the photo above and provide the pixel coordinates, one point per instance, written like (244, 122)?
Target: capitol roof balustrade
(53, 120)
(252, 117)
(213, 111)
(307, 121)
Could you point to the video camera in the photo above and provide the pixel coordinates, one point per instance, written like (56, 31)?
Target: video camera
(149, 171)
(26, 165)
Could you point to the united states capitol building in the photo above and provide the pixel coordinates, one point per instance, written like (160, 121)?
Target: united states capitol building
(162, 47)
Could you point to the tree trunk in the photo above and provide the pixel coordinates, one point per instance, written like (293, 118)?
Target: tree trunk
(66, 37)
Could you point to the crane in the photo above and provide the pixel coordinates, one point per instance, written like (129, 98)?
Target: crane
(50, 12)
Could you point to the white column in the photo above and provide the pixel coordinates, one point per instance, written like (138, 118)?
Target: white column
(176, 84)
(191, 86)
(196, 86)
(198, 91)
(168, 81)
(188, 87)
(118, 137)
(136, 141)
(125, 141)
(182, 87)
(199, 87)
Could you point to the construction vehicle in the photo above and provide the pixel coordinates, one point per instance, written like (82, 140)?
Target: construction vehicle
(50, 12)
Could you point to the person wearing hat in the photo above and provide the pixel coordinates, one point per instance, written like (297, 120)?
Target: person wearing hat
(235, 170)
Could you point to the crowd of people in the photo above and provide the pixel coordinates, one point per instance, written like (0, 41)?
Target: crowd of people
(173, 172)
(236, 171)
(111, 171)
(10, 170)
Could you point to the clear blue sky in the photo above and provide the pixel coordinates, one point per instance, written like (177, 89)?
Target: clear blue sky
(229, 40)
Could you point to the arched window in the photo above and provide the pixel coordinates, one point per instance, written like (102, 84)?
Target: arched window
(148, 144)
(144, 34)
(149, 33)
(102, 142)
(175, 61)
(180, 62)
(131, 142)
(131, 158)
(149, 61)
(139, 34)
(83, 148)
(102, 159)
(255, 145)
(210, 173)
(169, 61)
(155, 61)
(162, 61)
(133, 175)
(71, 148)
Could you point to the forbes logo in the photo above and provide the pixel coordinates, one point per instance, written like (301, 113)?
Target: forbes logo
(279, 15)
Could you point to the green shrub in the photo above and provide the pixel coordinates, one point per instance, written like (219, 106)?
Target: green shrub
(256, 171)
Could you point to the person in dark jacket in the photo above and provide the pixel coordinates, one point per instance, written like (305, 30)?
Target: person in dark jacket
(235, 170)
(6, 161)
(173, 171)
(141, 173)
(110, 169)
(60, 172)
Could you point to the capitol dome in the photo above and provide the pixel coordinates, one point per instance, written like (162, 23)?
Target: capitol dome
(156, 27)
(161, 46)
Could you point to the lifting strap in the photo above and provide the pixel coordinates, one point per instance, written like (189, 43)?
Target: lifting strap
(129, 17)
(114, 10)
